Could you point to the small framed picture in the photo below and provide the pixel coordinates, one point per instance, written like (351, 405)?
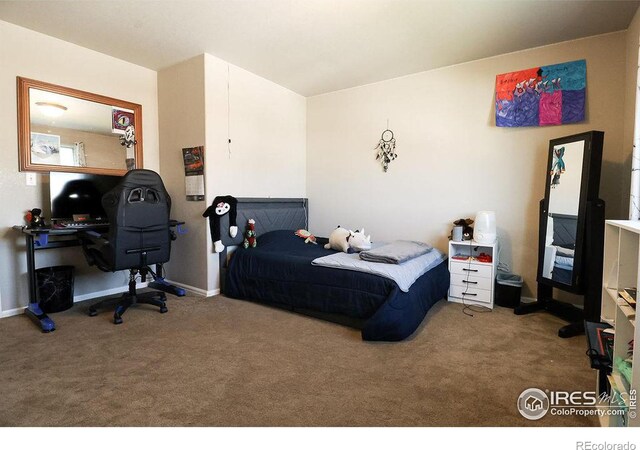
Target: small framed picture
(121, 119)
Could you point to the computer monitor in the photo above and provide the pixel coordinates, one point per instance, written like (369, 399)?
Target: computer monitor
(79, 194)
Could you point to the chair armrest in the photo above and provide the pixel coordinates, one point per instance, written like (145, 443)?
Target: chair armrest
(178, 225)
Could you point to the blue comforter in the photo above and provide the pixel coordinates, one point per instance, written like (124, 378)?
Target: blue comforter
(279, 272)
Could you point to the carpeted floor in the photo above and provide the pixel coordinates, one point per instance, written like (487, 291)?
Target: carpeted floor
(223, 362)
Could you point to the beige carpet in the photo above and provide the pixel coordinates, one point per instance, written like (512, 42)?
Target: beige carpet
(223, 362)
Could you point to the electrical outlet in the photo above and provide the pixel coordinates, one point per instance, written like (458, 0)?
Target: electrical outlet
(31, 179)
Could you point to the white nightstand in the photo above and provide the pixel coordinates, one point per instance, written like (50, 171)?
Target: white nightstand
(472, 281)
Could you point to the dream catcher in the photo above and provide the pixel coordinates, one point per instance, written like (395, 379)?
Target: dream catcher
(386, 149)
(128, 139)
(557, 166)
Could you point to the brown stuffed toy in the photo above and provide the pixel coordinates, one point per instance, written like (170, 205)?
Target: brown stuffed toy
(467, 230)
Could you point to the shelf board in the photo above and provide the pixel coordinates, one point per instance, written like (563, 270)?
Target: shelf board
(609, 320)
(627, 310)
(473, 261)
(473, 244)
(629, 225)
(613, 293)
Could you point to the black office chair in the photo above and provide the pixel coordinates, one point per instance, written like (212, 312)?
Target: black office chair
(139, 235)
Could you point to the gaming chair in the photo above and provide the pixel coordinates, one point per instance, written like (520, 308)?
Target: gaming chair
(139, 235)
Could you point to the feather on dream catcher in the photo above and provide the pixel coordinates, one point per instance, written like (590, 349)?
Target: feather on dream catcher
(557, 166)
(386, 149)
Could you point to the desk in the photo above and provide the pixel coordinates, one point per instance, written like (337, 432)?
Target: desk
(48, 238)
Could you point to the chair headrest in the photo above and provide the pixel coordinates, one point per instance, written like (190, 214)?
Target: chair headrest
(143, 177)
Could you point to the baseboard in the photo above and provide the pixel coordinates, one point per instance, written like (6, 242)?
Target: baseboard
(12, 312)
(195, 290)
(106, 292)
(79, 298)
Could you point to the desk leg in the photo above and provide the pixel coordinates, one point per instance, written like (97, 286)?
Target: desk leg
(33, 311)
(161, 284)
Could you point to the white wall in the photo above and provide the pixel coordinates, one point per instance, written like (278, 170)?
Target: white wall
(453, 160)
(631, 88)
(181, 98)
(204, 101)
(267, 127)
(30, 54)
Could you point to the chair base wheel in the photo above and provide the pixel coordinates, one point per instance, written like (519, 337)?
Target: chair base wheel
(93, 313)
(163, 309)
(117, 320)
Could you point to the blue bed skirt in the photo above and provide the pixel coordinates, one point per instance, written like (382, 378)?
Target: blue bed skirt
(279, 272)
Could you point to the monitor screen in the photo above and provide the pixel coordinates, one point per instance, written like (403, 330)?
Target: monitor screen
(79, 194)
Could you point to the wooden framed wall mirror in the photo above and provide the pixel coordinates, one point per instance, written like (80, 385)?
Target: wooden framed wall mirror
(61, 129)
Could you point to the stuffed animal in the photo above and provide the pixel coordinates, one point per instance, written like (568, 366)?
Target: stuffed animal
(339, 240)
(250, 239)
(347, 241)
(221, 205)
(35, 219)
(307, 236)
(467, 230)
(358, 242)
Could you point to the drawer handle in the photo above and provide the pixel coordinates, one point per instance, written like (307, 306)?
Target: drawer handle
(465, 293)
(470, 282)
(469, 270)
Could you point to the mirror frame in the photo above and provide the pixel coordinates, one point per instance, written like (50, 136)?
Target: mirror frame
(589, 191)
(24, 127)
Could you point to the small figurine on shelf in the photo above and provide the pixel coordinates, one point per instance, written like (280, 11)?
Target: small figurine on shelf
(467, 229)
(250, 235)
(34, 218)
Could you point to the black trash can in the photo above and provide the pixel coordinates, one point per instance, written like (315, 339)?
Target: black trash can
(55, 288)
(508, 289)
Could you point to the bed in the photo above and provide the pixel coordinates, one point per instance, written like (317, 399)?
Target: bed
(278, 272)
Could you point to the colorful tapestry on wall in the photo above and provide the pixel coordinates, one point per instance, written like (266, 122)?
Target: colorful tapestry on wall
(547, 95)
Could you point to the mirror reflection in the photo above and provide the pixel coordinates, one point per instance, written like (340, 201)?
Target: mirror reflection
(564, 179)
(64, 129)
(68, 131)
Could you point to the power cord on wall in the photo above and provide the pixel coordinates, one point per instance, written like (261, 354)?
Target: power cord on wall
(229, 110)
(468, 310)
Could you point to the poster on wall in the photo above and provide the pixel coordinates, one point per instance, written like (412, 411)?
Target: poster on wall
(541, 96)
(120, 119)
(193, 158)
(45, 148)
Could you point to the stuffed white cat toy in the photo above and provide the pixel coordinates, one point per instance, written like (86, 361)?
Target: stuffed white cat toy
(359, 242)
(348, 241)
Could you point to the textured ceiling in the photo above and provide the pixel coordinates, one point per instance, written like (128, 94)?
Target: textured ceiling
(317, 46)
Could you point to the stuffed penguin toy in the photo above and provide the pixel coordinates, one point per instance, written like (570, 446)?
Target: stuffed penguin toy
(221, 205)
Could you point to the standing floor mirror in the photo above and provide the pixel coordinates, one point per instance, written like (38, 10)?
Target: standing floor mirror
(571, 227)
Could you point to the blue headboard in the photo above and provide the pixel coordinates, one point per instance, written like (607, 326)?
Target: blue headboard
(270, 214)
(564, 230)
